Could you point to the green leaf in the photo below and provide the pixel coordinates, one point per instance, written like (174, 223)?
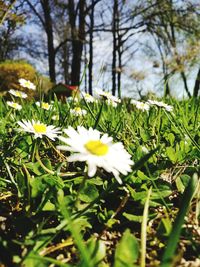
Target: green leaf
(35, 168)
(179, 184)
(47, 163)
(88, 193)
(171, 138)
(127, 250)
(185, 179)
(37, 187)
(21, 181)
(132, 218)
(111, 222)
(39, 184)
(171, 153)
(31, 261)
(141, 175)
(144, 135)
(96, 181)
(97, 249)
(48, 206)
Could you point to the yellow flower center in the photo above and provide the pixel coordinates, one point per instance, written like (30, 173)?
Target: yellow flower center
(14, 105)
(142, 105)
(45, 105)
(18, 94)
(40, 128)
(96, 147)
(77, 109)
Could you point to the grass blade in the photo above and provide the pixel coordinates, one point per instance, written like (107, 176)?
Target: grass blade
(144, 230)
(176, 230)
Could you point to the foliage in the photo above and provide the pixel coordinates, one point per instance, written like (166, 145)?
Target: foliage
(11, 19)
(11, 71)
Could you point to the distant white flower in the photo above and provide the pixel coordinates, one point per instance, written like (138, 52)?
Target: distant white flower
(111, 103)
(44, 105)
(98, 150)
(109, 97)
(27, 84)
(140, 105)
(55, 118)
(161, 105)
(14, 105)
(88, 98)
(144, 150)
(72, 99)
(18, 93)
(77, 111)
(39, 129)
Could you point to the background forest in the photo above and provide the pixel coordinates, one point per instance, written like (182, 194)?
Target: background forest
(130, 47)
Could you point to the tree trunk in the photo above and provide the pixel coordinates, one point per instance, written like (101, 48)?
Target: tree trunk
(65, 63)
(119, 51)
(91, 48)
(185, 83)
(197, 85)
(119, 72)
(166, 85)
(49, 32)
(78, 38)
(114, 58)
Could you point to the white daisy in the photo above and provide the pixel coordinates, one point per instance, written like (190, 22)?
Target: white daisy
(14, 105)
(109, 97)
(27, 84)
(98, 150)
(18, 93)
(77, 111)
(39, 129)
(140, 105)
(111, 103)
(161, 105)
(44, 105)
(88, 98)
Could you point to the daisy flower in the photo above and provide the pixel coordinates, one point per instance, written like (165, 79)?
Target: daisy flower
(112, 103)
(39, 129)
(44, 105)
(140, 105)
(55, 118)
(161, 105)
(77, 111)
(88, 98)
(18, 93)
(97, 150)
(27, 84)
(110, 99)
(14, 105)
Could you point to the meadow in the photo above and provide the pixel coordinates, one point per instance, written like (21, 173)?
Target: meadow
(99, 182)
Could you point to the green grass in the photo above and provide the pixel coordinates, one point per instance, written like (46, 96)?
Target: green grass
(53, 213)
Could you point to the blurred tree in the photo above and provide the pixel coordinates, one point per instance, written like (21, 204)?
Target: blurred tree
(71, 27)
(12, 18)
(172, 25)
(43, 10)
